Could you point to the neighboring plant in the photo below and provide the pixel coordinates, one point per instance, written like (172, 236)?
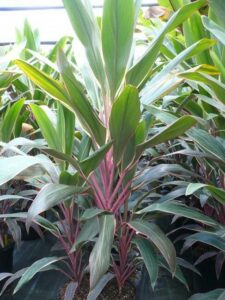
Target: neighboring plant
(96, 169)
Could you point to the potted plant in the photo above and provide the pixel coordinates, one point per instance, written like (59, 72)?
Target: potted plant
(95, 186)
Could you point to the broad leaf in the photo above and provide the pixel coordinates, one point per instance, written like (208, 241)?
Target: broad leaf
(124, 120)
(217, 193)
(70, 290)
(150, 258)
(205, 237)
(177, 128)
(25, 166)
(46, 126)
(84, 24)
(100, 286)
(215, 29)
(90, 213)
(99, 260)
(49, 85)
(142, 67)
(117, 35)
(79, 102)
(34, 269)
(88, 231)
(50, 196)
(158, 238)
(179, 209)
(91, 163)
(9, 121)
(212, 295)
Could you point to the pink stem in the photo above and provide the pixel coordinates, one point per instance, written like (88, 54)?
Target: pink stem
(118, 185)
(122, 198)
(98, 190)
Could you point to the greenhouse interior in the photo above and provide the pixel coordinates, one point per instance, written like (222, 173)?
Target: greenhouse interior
(112, 149)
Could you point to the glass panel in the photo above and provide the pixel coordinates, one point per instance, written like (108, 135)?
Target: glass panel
(51, 23)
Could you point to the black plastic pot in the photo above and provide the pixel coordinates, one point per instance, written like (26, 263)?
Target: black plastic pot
(167, 288)
(6, 258)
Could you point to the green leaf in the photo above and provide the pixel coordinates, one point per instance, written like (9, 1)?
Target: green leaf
(79, 103)
(100, 286)
(9, 121)
(212, 295)
(205, 80)
(49, 196)
(178, 274)
(65, 157)
(65, 129)
(13, 197)
(70, 290)
(138, 73)
(84, 24)
(117, 36)
(179, 209)
(150, 258)
(24, 166)
(216, 12)
(49, 85)
(91, 163)
(36, 267)
(90, 213)
(158, 238)
(215, 29)
(208, 143)
(165, 80)
(124, 119)
(171, 4)
(89, 230)
(46, 126)
(99, 260)
(86, 166)
(177, 128)
(217, 193)
(205, 237)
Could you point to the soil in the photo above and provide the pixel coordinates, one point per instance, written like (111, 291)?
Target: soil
(110, 292)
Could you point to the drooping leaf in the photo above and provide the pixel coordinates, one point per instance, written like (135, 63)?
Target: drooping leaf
(99, 260)
(49, 196)
(165, 80)
(36, 267)
(150, 258)
(216, 86)
(4, 275)
(212, 295)
(24, 166)
(217, 193)
(209, 238)
(177, 128)
(49, 85)
(142, 67)
(158, 238)
(79, 102)
(179, 209)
